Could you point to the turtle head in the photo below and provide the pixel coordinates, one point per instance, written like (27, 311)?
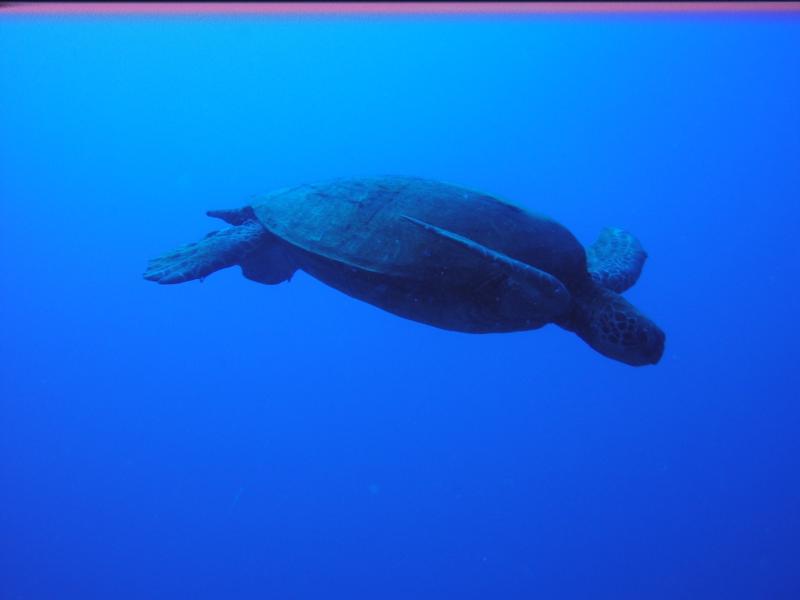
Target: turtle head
(631, 338)
(615, 328)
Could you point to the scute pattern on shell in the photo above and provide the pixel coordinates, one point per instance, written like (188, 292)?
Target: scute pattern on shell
(359, 222)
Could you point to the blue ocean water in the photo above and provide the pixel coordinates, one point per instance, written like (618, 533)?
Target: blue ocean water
(226, 439)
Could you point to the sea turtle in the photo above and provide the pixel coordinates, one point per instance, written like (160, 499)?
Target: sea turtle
(435, 253)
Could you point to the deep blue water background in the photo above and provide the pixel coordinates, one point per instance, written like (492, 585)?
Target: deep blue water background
(232, 440)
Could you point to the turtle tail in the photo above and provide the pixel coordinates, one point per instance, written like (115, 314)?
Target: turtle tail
(615, 260)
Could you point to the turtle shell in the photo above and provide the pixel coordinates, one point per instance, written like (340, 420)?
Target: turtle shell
(368, 224)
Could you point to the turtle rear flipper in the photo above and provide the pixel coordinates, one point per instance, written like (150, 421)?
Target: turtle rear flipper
(218, 250)
(616, 259)
(270, 263)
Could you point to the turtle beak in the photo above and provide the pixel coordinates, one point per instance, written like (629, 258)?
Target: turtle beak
(654, 348)
(648, 350)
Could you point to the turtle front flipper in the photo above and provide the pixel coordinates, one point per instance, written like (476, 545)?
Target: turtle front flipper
(527, 289)
(218, 250)
(616, 259)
